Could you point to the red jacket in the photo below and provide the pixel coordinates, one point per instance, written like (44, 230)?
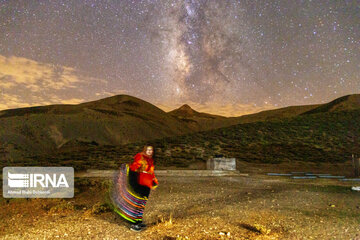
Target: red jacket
(143, 163)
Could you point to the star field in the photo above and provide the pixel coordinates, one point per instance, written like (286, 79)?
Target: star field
(222, 57)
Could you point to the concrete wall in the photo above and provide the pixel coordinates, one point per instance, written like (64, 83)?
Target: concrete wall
(221, 164)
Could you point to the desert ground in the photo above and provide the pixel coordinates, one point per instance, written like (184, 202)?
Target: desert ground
(256, 206)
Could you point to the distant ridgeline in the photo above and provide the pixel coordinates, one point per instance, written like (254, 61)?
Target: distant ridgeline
(317, 133)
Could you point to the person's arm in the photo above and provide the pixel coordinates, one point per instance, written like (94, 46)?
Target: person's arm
(155, 181)
(155, 185)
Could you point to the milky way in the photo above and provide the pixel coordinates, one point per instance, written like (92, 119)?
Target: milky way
(222, 57)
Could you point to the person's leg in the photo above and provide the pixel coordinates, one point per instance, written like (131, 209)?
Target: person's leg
(141, 191)
(136, 228)
(141, 224)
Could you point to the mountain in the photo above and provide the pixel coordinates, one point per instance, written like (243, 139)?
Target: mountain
(111, 121)
(186, 111)
(276, 114)
(199, 121)
(345, 103)
(204, 121)
(330, 134)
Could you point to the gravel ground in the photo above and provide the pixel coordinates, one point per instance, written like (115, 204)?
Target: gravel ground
(236, 207)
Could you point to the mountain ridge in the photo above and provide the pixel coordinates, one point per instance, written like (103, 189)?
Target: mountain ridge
(123, 119)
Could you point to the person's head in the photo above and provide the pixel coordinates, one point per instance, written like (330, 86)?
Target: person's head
(148, 150)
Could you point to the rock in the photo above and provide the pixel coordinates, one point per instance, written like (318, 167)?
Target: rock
(224, 234)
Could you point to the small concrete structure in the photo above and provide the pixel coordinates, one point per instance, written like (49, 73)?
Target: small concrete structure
(221, 164)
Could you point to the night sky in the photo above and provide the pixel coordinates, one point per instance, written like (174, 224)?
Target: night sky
(222, 57)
